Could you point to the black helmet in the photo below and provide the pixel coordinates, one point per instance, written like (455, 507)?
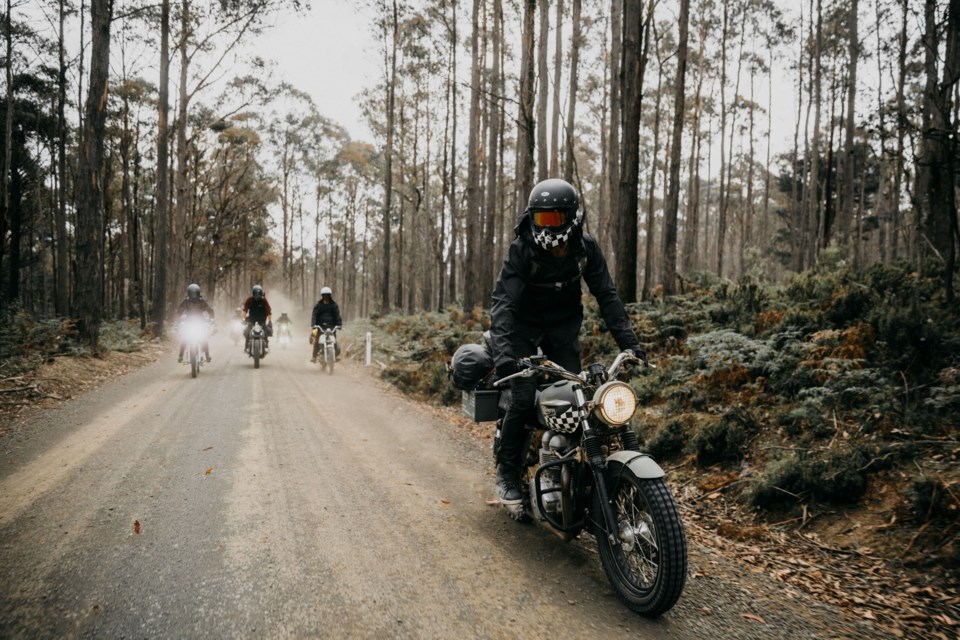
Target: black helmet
(554, 208)
(193, 292)
(257, 292)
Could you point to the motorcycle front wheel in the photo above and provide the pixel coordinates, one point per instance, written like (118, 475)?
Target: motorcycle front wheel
(649, 567)
(331, 358)
(255, 349)
(194, 366)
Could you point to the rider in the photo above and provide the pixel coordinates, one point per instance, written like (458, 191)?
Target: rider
(536, 303)
(257, 309)
(326, 314)
(283, 324)
(194, 305)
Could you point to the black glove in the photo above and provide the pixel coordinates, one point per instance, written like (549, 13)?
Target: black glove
(638, 352)
(507, 368)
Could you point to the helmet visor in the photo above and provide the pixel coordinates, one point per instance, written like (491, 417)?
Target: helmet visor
(549, 219)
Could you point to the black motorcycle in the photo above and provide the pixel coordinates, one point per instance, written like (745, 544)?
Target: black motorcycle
(257, 344)
(584, 472)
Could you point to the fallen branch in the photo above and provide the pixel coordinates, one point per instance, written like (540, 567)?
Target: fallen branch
(29, 387)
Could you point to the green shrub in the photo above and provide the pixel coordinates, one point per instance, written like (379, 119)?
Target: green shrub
(667, 441)
(836, 477)
(722, 441)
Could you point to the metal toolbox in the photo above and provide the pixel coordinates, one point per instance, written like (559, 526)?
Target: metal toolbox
(481, 406)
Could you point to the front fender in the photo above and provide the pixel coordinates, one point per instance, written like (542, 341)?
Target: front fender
(642, 465)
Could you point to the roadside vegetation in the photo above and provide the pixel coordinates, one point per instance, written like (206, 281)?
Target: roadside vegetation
(829, 405)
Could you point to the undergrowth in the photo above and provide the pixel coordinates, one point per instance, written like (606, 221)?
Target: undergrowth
(819, 386)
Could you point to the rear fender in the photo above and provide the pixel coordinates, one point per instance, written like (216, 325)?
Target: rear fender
(642, 465)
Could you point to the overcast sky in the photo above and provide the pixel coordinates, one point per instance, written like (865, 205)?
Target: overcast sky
(329, 53)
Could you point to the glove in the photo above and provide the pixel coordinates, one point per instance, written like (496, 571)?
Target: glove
(507, 368)
(638, 352)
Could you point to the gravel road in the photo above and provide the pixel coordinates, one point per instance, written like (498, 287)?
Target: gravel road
(284, 502)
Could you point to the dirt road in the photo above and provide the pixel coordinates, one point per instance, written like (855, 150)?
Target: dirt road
(283, 502)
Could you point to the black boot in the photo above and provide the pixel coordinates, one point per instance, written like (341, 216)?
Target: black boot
(508, 484)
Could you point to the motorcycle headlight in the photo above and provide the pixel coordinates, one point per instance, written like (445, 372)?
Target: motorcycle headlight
(615, 402)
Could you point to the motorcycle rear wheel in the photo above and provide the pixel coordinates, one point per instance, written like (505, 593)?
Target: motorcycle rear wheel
(648, 568)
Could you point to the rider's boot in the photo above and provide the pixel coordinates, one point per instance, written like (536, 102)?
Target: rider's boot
(508, 484)
(180, 356)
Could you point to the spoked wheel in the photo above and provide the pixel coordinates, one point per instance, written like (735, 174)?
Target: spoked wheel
(194, 364)
(331, 358)
(649, 566)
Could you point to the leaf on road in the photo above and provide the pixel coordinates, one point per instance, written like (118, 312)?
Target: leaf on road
(208, 448)
(208, 471)
(445, 501)
(750, 616)
(136, 527)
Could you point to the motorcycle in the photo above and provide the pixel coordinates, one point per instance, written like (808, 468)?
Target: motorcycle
(236, 331)
(584, 472)
(258, 344)
(328, 346)
(194, 332)
(283, 335)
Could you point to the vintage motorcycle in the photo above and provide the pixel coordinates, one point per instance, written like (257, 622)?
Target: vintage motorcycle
(327, 354)
(257, 347)
(584, 472)
(236, 331)
(194, 331)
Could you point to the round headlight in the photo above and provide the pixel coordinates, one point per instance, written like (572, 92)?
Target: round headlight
(615, 402)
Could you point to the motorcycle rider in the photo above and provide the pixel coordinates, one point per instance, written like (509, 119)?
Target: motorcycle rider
(536, 303)
(256, 308)
(194, 305)
(326, 314)
(283, 324)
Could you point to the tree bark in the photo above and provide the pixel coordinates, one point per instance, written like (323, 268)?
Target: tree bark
(525, 123)
(673, 197)
(471, 294)
(543, 85)
(612, 170)
(554, 170)
(62, 294)
(626, 267)
(493, 168)
(91, 184)
(388, 164)
(162, 215)
(846, 209)
(570, 160)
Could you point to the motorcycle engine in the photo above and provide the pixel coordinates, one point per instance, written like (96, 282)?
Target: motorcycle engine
(552, 445)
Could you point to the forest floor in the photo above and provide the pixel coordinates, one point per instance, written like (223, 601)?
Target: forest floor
(850, 558)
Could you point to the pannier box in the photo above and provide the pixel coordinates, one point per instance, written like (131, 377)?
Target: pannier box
(481, 406)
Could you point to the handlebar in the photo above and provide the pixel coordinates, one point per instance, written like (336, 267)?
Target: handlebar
(530, 366)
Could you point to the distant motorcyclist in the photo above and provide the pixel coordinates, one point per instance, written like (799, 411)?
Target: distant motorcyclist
(194, 305)
(257, 309)
(283, 324)
(326, 315)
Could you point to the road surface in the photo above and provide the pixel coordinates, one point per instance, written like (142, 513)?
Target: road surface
(287, 503)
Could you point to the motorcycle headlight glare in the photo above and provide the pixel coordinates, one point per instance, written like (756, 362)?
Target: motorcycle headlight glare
(615, 402)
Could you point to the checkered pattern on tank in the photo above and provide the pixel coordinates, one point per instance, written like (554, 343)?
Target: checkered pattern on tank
(565, 422)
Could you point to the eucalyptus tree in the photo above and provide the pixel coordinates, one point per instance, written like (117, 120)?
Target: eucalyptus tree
(673, 199)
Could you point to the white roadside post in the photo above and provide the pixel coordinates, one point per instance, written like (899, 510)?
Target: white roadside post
(369, 347)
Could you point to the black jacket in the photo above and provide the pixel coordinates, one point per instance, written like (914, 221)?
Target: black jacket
(540, 290)
(326, 315)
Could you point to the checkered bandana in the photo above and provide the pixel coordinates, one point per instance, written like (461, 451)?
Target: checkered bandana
(566, 422)
(547, 239)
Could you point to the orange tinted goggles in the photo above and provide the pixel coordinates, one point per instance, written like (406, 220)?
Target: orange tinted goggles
(549, 218)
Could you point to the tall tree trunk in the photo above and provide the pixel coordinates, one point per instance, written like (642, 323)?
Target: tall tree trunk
(846, 208)
(162, 214)
(493, 169)
(543, 86)
(626, 267)
(180, 235)
(722, 222)
(62, 288)
(388, 164)
(673, 197)
(570, 161)
(813, 217)
(554, 170)
(691, 228)
(452, 182)
(90, 188)
(471, 294)
(612, 170)
(7, 149)
(901, 131)
(525, 122)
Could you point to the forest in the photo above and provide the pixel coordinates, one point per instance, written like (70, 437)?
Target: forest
(773, 184)
(145, 147)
